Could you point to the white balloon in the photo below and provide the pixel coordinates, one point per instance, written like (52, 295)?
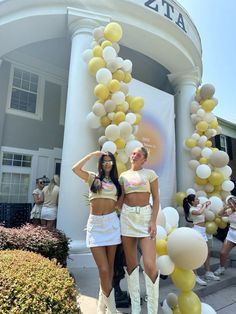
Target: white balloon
(216, 204)
(124, 88)
(226, 171)
(111, 115)
(93, 121)
(165, 308)
(98, 33)
(109, 147)
(161, 219)
(122, 157)
(109, 53)
(102, 139)
(165, 265)
(131, 145)
(118, 97)
(194, 106)
(98, 109)
(116, 47)
(206, 152)
(103, 76)
(112, 66)
(203, 171)
(195, 136)
(161, 233)
(87, 55)
(119, 62)
(227, 185)
(109, 105)
(172, 216)
(209, 188)
(127, 66)
(201, 112)
(209, 116)
(202, 199)
(112, 132)
(193, 164)
(207, 309)
(130, 117)
(196, 152)
(190, 191)
(125, 129)
(201, 193)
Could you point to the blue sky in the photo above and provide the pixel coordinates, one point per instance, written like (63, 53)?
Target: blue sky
(216, 24)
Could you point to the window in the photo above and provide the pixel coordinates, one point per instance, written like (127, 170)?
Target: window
(14, 188)
(15, 177)
(24, 91)
(25, 96)
(223, 143)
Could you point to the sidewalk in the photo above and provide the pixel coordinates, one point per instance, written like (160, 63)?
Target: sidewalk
(220, 295)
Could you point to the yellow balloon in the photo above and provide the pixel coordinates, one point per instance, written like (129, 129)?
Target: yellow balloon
(183, 279)
(129, 99)
(222, 224)
(119, 117)
(138, 118)
(118, 75)
(189, 302)
(120, 108)
(208, 105)
(190, 142)
(202, 126)
(95, 64)
(161, 247)
(106, 43)
(114, 86)
(176, 310)
(97, 51)
(136, 104)
(216, 178)
(120, 143)
(105, 121)
(217, 221)
(121, 167)
(214, 124)
(179, 197)
(113, 32)
(217, 188)
(127, 77)
(208, 143)
(200, 181)
(203, 160)
(211, 227)
(101, 91)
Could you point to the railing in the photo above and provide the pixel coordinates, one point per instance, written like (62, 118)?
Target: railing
(14, 214)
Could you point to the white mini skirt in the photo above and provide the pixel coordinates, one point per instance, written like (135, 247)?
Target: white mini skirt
(135, 221)
(103, 230)
(202, 231)
(49, 213)
(231, 235)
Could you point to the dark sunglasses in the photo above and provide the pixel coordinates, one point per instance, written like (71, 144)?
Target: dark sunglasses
(107, 162)
(41, 182)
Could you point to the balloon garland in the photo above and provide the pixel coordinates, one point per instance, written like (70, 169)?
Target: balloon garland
(118, 113)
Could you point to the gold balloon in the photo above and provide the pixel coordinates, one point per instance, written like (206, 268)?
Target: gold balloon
(105, 121)
(208, 143)
(95, 64)
(136, 104)
(203, 161)
(211, 227)
(118, 75)
(222, 224)
(183, 279)
(179, 197)
(97, 51)
(106, 43)
(176, 310)
(138, 118)
(119, 117)
(121, 167)
(190, 142)
(129, 99)
(216, 178)
(113, 32)
(208, 105)
(120, 143)
(127, 77)
(161, 247)
(214, 124)
(114, 86)
(200, 181)
(189, 302)
(101, 91)
(202, 126)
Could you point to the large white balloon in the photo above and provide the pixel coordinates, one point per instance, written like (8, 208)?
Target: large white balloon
(161, 219)
(109, 53)
(172, 216)
(93, 121)
(112, 132)
(130, 117)
(190, 191)
(122, 157)
(203, 171)
(226, 171)
(98, 109)
(125, 129)
(165, 265)
(109, 147)
(207, 309)
(118, 97)
(131, 145)
(103, 76)
(227, 185)
(193, 164)
(161, 233)
(109, 105)
(216, 204)
(87, 55)
(206, 152)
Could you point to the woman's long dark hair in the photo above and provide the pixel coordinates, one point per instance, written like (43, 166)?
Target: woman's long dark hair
(187, 203)
(97, 183)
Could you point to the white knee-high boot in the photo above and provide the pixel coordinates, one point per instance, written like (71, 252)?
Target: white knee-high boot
(101, 307)
(134, 290)
(110, 302)
(152, 290)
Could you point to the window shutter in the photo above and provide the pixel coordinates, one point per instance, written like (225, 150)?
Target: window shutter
(229, 147)
(217, 141)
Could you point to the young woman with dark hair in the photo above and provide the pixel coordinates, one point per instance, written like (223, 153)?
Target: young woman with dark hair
(103, 226)
(194, 212)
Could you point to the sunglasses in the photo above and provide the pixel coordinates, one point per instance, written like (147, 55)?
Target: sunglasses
(107, 162)
(41, 182)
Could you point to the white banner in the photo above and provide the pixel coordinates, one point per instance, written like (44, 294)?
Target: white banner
(157, 133)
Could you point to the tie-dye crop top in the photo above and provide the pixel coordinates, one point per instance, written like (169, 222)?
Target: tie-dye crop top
(108, 189)
(137, 181)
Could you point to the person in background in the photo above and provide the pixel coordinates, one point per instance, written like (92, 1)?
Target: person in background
(230, 241)
(35, 215)
(103, 226)
(194, 212)
(49, 197)
(138, 222)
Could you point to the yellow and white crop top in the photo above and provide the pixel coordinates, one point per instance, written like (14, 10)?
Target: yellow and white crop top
(196, 218)
(108, 189)
(137, 181)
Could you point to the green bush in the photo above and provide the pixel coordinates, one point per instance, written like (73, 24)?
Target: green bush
(51, 244)
(31, 283)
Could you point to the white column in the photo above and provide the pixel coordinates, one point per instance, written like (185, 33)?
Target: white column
(185, 85)
(78, 141)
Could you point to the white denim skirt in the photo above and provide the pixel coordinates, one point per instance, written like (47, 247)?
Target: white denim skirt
(103, 230)
(49, 213)
(135, 221)
(202, 231)
(231, 235)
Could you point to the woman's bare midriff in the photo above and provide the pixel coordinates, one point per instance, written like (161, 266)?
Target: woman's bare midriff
(102, 206)
(137, 199)
(201, 224)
